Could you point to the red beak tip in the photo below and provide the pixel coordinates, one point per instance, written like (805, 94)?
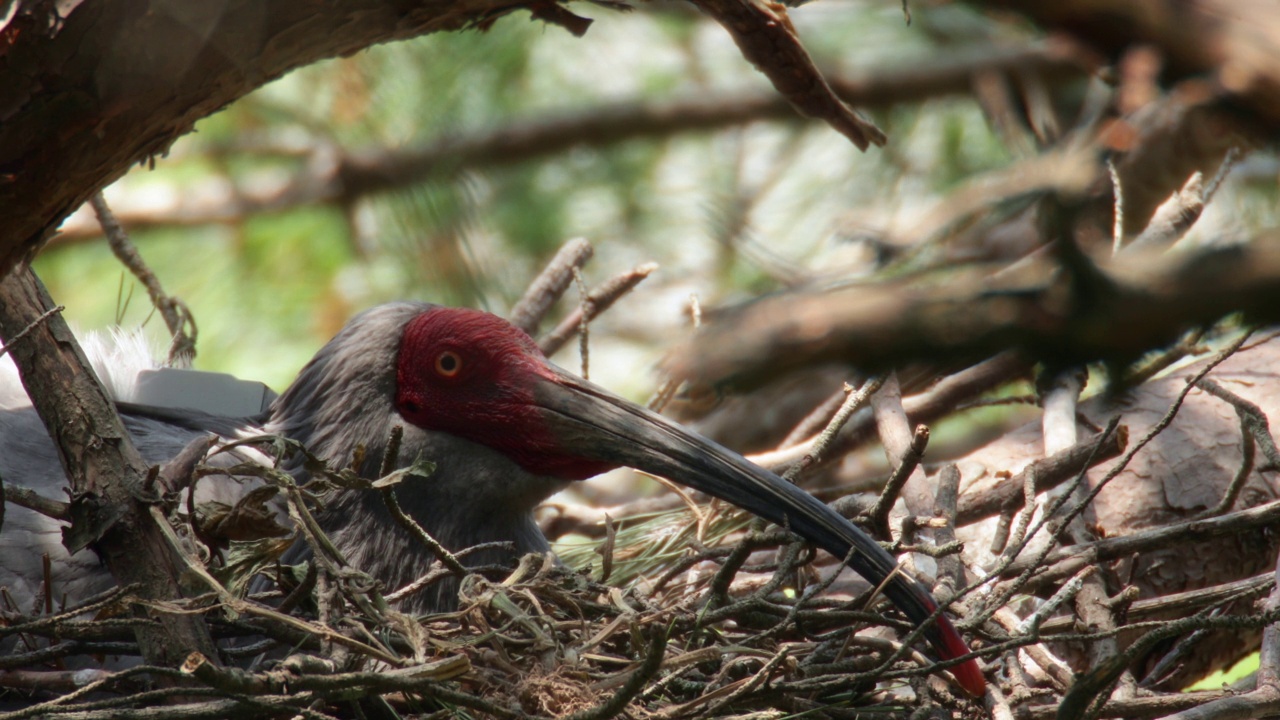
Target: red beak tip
(970, 678)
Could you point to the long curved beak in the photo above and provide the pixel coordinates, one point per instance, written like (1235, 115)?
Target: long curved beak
(603, 427)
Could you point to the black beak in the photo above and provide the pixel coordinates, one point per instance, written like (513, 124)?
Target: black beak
(604, 427)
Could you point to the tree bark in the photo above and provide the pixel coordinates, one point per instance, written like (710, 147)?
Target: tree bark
(115, 82)
(109, 508)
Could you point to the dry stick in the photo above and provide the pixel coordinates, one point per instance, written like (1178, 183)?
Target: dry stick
(1087, 688)
(390, 460)
(244, 607)
(818, 448)
(1057, 671)
(44, 709)
(1251, 416)
(415, 678)
(1090, 601)
(1033, 567)
(766, 37)
(1002, 594)
(32, 500)
(92, 605)
(596, 302)
(177, 316)
(550, 284)
(1158, 428)
(907, 464)
(98, 455)
(1177, 603)
(585, 312)
(1248, 456)
(1044, 474)
(1065, 561)
(939, 401)
(616, 704)
(951, 574)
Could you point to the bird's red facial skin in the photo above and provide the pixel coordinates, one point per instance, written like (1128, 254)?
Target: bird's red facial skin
(471, 374)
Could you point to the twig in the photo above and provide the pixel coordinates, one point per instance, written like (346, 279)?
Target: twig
(1251, 418)
(585, 312)
(32, 500)
(1008, 495)
(765, 37)
(596, 302)
(907, 464)
(31, 326)
(547, 288)
(819, 446)
(177, 316)
(950, 567)
(625, 694)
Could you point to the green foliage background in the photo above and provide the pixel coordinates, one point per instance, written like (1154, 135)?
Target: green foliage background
(744, 209)
(727, 214)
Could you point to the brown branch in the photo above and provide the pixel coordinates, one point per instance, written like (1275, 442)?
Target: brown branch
(105, 470)
(550, 284)
(597, 301)
(359, 173)
(1235, 42)
(177, 316)
(1066, 561)
(116, 82)
(32, 500)
(764, 34)
(1145, 303)
(1177, 604)
(1007, 496)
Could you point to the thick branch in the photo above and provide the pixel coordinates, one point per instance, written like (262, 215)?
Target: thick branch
(117, 81)
(105, 469)
(1235, 41)
(1147, 301)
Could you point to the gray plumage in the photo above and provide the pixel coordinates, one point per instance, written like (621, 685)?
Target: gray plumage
(341, 400)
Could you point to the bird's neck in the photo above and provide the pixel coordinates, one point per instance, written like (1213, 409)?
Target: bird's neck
(460, 505)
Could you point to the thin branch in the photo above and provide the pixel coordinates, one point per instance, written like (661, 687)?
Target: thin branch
(550, 284)
(595, 302)
(177, 316)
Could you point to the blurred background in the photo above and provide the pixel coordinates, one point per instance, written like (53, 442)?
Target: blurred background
(255, 224)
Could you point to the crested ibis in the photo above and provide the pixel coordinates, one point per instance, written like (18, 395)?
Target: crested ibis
(505, 429)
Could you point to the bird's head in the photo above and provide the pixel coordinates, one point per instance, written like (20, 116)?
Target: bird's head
(474, 375)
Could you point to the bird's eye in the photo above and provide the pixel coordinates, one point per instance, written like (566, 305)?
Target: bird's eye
(448, 363)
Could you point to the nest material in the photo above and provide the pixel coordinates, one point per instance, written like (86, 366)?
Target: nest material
(708, 614)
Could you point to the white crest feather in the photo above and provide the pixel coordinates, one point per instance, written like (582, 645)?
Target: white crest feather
(116, 354)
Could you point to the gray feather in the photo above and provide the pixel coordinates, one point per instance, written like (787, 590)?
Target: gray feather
(342, 400)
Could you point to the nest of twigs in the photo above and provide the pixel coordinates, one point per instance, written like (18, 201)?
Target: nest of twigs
(686, 611)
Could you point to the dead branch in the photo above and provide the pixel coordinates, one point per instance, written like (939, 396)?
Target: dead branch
(764, 34)
(1148, 301)
(358, 173)
(600, 299)
(177, 316)
(146, 50)
(550, 284)
(105, 469)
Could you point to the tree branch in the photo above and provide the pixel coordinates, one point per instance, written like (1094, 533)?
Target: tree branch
(105, 469)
